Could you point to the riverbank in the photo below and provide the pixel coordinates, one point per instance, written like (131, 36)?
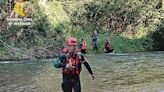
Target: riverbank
(34, 58)
(90, 54)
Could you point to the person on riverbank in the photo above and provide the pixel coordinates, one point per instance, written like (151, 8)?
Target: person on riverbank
(107, 45)
(83, 46)
(70, 61)
(95, 40)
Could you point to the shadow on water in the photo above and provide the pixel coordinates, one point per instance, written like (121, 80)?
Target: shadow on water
(129, 72)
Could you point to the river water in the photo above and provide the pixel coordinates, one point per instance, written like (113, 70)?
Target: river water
(128, 72)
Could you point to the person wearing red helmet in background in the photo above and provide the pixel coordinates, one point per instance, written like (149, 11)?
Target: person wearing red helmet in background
(83, 46)
(70, 61)
(107, 45)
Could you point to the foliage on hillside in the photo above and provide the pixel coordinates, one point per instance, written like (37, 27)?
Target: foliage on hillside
(131, 24)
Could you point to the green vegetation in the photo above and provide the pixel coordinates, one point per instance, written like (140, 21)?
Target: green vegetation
(132, 25)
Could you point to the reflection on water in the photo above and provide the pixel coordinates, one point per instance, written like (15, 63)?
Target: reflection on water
(130, 72)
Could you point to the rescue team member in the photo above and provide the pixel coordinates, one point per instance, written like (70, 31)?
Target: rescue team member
(70, 61)
(107, 46)
(95, 40)
(83, 46)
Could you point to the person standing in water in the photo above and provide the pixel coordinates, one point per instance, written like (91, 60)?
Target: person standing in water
(107, 45)
(95, 40)
(83, 46)
(70, 60)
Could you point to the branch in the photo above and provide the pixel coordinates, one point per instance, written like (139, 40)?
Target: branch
(12, 49)
(8, 47)
(3, 12)
(97, 13)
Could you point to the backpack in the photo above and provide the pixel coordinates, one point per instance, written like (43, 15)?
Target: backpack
(56, 62)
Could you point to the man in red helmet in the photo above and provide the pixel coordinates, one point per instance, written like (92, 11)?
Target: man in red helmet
(83, 46)
(70, 61)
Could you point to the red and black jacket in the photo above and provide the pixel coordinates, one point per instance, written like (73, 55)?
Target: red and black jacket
(75, 59)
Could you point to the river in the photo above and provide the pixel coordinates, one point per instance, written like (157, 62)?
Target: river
(127, 72)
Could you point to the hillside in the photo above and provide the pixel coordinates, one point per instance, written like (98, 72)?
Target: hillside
(132, 25)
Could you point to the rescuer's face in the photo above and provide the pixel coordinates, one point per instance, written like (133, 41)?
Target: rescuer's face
(71, 49)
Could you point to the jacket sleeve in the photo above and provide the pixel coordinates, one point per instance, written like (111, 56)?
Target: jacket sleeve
(62, 59)
(62, 65)
(86, 65)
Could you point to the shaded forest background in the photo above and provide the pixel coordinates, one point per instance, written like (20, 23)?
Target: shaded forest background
(132, 25)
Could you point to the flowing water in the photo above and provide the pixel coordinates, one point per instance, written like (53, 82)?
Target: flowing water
(129, 72)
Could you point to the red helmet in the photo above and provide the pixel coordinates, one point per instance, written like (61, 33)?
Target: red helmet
(71, 41)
